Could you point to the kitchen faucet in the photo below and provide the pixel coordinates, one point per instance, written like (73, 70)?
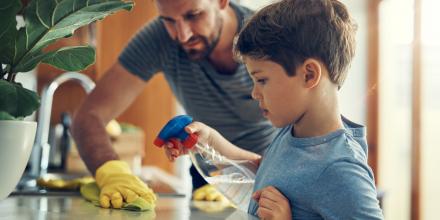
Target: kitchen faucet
(41, 148)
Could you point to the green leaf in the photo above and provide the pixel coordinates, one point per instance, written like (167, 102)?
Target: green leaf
(16, 100)
(50, 20)
(6, 116)
(67, 58)
(8, 30)
(72, 58)
(31, 62)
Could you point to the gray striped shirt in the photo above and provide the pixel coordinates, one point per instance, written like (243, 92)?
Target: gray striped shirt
(221, 101)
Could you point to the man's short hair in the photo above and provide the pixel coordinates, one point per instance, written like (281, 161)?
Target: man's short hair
(290, 31)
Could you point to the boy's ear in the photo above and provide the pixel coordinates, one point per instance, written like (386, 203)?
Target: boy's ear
(312, 72)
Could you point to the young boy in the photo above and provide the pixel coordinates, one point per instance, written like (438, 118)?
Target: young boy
(297, 53)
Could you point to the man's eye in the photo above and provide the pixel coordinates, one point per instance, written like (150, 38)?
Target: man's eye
(192, 16)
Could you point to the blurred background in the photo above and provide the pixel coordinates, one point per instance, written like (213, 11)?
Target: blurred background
(393, 87)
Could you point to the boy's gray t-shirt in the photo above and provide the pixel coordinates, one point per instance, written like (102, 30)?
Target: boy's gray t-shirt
(223, 102)
(323, 177)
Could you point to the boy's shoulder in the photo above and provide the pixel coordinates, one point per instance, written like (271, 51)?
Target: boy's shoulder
(348, 156)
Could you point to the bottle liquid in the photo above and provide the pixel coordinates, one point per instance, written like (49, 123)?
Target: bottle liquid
(233, 178)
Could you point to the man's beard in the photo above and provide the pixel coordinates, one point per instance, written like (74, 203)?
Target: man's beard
(207, 48)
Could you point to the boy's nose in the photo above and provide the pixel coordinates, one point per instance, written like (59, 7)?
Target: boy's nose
(255, 94)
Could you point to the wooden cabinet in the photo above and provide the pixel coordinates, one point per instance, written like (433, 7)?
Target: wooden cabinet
(151, 110)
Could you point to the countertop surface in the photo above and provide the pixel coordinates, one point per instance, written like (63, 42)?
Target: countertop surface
(75, 207)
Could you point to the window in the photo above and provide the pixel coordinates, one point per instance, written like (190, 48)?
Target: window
(430, 109)
(394, 82)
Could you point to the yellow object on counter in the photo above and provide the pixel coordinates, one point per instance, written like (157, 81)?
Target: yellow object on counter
(212, 206)
(118, 184)
(91, 193)
(73, 184)
(208, 199)
(113, 128)
(207, 193)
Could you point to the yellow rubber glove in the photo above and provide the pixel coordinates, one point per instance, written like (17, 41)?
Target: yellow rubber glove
(118, 184)
(208, 193)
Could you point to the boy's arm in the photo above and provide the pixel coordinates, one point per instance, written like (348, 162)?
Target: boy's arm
(211, 137)
(346, 190)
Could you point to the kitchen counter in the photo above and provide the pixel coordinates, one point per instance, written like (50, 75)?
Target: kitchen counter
(75, 207)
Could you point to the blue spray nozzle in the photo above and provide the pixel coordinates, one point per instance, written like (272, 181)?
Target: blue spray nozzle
(175, 129)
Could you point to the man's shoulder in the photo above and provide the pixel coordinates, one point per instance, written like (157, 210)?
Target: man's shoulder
(242, 10)
(154, 33)
(154, 26)
(148, 50)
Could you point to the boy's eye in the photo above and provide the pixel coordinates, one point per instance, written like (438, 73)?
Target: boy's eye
(262, 81)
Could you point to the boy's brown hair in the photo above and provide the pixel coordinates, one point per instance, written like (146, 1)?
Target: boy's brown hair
(290, 31)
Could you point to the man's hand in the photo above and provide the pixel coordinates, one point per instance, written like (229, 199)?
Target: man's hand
(208, 193)
(272, 204)
(118, 184)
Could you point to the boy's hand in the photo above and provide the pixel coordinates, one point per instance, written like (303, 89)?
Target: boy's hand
(272, 204)
(174, 147)
(210, 137)
(203, 132)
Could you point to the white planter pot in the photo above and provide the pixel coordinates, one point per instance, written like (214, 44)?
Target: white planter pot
(16, 141)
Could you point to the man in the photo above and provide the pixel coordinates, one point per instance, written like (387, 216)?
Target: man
(191, 42)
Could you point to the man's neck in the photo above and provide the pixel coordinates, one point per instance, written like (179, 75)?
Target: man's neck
(221, 57)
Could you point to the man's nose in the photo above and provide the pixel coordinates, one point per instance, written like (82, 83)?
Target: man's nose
(183, 30)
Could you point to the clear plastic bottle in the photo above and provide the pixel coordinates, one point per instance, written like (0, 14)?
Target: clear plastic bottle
(233, 178)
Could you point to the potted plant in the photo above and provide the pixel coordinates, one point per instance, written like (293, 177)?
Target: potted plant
(21, 50)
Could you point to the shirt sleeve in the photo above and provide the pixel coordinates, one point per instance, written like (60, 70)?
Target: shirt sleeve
(346, 190)
(147, 51)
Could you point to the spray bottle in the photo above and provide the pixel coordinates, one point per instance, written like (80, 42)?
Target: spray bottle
(233, 178)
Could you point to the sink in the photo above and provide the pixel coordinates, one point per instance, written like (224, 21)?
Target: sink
(37, 191)
(28, 186)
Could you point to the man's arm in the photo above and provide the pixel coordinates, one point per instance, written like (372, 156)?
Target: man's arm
(113, 94)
